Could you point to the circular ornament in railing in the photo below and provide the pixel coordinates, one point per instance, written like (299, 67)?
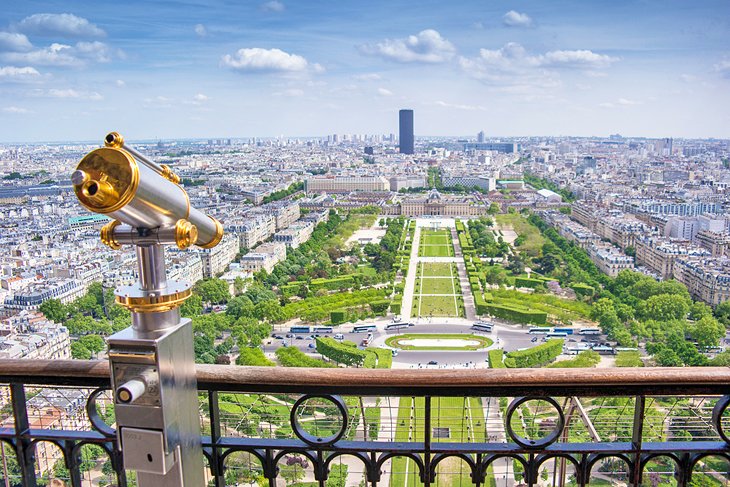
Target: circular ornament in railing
(93, 412)
(319, 419)
(542, 422)
(720, 420)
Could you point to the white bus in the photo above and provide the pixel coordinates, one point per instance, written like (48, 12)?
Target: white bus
(539, 331)
(589, 331)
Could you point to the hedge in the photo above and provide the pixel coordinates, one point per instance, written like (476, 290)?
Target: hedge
(583, 289)
(293, 357)
(337, 316)
(380, 306)
(253, 356)
(535, 356)
(527, 282)
(339, 352)
(517, 315)
(496, 358)
(395, 307)
(336, 283)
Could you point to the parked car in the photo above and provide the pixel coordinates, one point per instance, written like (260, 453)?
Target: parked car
(311, 345)
(534, 339)
(299, 337)
(278, 337)
(433, 362)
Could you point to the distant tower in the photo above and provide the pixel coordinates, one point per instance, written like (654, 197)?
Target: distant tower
(406, 131)
(480, 137)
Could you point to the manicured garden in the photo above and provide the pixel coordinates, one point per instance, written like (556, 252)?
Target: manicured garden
(430, 341)
(435, 243)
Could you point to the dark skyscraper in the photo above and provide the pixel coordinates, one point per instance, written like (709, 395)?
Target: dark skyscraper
(406, 131)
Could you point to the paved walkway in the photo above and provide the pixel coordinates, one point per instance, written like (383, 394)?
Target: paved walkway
(408, 290)
(503, 468)
(469, 307)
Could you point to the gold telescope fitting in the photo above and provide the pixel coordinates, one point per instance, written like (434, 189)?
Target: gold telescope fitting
(154, 304)
(169, 175)
(216, 238)
(107, 235)
(114, 139)
(186, 234)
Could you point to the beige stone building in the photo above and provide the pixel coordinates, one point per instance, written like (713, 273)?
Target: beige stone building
(437, 204)
(346, 184)
(707, 279)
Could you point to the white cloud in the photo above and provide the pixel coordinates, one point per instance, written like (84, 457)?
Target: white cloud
(120, 83)
(64, 55)
(15, 73)
(516, 19)
(384, 92)
(723, 67)
(272, 6)
(14, 42)
(579, 59)
(198, 99)
(69, 93)
(201, 97)
(63, 25)
(518, 71)
(627, 102)
(425, 47)
(368, 77)
(263, 60)
(458, 106)
(200, 30)
(16, 110)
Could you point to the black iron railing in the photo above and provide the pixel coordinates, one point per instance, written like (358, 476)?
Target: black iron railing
(342, 427)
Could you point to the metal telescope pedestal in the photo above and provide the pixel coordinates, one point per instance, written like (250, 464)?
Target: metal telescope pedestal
(153, 376)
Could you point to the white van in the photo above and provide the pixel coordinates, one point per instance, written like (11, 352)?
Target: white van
(339, 336)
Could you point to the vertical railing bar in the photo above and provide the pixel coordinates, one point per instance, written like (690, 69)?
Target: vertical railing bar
(636, 438)
(74, 463)
(427, 441)
(215, 435)
(23, 447)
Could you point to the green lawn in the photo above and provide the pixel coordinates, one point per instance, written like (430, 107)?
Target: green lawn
(534, 240)
(438, 306)
(560, 308)
(397, 341)
(436, 239)
(434, 269)
(437, 285)
(435, 251)
(464, 417)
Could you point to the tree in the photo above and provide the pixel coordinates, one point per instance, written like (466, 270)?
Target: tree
(722, 313)
(79, 351)
(665, 307)
(667, 358)
(238, 285)
(54, 310)
(240, 306)
(213, 291)
(193, 306)
(93, 343)
(493, 208)
(516, 265)
(707, 331)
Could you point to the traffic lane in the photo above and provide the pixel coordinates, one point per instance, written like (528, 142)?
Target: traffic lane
(446, 359)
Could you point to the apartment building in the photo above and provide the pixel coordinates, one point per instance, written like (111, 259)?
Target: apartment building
(295, 235)
(345, 184)
(659, 253)
(216, 260)
(707, 279)
(264, 257)
(609, 259)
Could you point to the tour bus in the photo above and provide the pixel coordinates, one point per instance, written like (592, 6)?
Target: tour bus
(603, 350)
(485, 327)
(398, 326)
(538, 331)
(322, 329)
(589, 331)
(567, 331)
(626, 349)
(363, 328)
(550, 335)
(300, 329)
(366, 341)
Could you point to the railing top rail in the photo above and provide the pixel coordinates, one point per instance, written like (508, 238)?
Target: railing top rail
(446, 382)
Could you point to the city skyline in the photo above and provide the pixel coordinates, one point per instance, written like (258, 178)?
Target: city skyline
(273, 68)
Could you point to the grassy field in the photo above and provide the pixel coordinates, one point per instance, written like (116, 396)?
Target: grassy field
(464, 419)
(396, 341)
(434, 269)
(534, 240)
(437, 285)
(438, 306)
(435, 243)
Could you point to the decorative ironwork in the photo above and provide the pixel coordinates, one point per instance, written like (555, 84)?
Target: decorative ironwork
(557, 434)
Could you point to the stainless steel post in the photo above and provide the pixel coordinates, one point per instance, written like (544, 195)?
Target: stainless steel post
(153, 373)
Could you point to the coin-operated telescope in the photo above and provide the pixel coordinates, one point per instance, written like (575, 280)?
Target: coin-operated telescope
(152, 362)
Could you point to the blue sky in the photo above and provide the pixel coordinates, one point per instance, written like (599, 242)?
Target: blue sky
(173, 69)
